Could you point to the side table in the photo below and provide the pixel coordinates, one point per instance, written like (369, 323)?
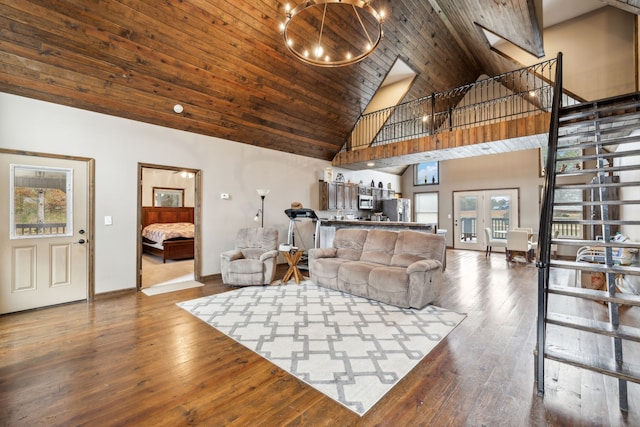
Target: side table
(293, 258)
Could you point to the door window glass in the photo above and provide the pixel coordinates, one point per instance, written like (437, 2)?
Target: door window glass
(500, 206)
(468, 218)
(41, 202)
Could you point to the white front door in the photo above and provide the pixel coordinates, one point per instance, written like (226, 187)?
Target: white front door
(476, 210)
(44, 256)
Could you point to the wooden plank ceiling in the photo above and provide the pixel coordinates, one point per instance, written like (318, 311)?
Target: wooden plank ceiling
(225, 62)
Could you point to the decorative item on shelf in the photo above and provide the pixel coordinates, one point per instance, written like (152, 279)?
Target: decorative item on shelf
(328, 175)
(373, 183)
(388, 186)
(361, 182)
(332, 33)
(339, 177)
(380, 185)
(260, 214)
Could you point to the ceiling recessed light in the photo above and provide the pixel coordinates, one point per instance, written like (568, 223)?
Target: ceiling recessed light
(371, 164)
(178, 108)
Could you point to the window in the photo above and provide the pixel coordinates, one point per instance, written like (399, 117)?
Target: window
(426, 207)
(41, 202)
(426, 173)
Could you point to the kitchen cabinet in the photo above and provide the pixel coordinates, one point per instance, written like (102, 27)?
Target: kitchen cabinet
(341, 196)
(328, 196)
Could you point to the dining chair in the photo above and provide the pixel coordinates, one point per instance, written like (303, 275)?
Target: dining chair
(518, 244)
(491, 242)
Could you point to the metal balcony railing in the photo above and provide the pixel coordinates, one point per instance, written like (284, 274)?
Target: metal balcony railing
(518, 93)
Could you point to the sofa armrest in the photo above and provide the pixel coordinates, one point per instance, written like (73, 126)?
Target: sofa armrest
(424, 265)
(269, 254)
(231, 255)
(322, 253)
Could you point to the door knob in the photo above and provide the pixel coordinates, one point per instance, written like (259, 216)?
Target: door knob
(81, 242)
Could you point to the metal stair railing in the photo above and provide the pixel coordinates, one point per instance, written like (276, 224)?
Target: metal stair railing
(599, 135)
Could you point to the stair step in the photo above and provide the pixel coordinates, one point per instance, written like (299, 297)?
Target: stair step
(624, 102)
(588, 186)
(595, 326)
(599, 243)
(605, 115)
(605, 133)
(601, 364)
(598, 203)
(594, 295)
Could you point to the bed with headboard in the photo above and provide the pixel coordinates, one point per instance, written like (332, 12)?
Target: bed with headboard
(168, 232)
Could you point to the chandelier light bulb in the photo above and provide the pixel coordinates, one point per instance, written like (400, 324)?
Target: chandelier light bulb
(325, 30)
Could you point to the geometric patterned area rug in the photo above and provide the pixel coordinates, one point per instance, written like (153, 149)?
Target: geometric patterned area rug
(352, 349)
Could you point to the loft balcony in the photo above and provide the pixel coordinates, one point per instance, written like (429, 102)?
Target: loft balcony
(505, 113)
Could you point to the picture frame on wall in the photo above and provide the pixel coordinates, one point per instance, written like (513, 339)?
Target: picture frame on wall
(565, 167)
(426, 173)
(168, 197)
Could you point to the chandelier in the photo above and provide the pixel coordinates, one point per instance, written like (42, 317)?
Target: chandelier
(332, 33)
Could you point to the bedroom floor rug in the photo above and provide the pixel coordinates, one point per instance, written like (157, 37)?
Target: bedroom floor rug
(351, 349)
(171, 287)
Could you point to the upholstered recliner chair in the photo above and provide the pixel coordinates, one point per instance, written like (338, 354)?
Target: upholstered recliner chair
(254, 259)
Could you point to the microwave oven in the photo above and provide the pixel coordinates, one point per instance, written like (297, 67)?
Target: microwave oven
(365, 201)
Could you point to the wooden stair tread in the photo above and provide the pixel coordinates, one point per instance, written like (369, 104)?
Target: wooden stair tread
(594, 295)
(595, 326)
(603, 365)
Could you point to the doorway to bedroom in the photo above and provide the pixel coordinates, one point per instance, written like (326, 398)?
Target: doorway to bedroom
(169, 227)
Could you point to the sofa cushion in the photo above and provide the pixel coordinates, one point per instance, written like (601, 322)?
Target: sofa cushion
(379, 246)
(353, 277)
(389, 284)
(325, 271)
(412, 246)
(349, 242)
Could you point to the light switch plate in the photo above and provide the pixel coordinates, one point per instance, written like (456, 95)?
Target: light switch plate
(108, 220)
(224, 196)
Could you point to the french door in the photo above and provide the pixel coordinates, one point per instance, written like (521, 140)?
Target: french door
(44, 231)
(476, 210)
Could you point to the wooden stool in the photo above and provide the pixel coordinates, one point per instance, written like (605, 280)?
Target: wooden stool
(293, 258)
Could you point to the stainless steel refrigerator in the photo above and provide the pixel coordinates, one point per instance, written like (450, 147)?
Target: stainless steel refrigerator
(397, 209)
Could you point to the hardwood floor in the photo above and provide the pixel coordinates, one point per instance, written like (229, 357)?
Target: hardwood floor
(130, 359)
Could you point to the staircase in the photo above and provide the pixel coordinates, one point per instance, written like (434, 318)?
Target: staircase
(594, 150)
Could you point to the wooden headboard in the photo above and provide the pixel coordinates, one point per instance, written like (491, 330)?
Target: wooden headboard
(151, 215)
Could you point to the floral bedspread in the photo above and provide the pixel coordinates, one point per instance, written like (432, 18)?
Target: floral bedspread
(161, 232)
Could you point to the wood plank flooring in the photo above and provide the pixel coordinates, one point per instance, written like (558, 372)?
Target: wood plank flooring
(131, 359)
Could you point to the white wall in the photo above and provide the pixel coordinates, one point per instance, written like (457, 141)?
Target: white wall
(510, 170)
(162, 178)
(598, 53)
(118, 145)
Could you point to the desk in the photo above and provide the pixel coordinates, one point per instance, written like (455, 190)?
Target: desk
(293, 258)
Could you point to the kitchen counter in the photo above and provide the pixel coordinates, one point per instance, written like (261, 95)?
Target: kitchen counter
(388, 225)
(328, 228)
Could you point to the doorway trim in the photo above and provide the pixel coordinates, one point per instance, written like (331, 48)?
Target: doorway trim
(90, 228)
(197, 212)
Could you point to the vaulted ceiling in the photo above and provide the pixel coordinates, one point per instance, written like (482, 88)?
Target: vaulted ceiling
(224, 61)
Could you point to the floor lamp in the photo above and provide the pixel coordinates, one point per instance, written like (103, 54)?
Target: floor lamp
(262, 193)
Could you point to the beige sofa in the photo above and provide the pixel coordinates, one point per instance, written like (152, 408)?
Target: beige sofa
(401, 268)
